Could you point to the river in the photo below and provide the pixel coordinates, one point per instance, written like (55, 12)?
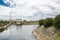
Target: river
(17, 32)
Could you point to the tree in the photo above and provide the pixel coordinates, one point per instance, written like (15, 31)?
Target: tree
(41, 22)
(57, 22)
(48, 22)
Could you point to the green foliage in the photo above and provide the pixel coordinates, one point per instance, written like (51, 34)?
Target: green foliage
(48, 22)
(1, 29)
(56, 36)
(41, 22)
(57, 22)
(1, 21)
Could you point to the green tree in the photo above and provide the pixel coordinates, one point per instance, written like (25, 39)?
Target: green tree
(57, 22)
(1, 21)
(48, 22)
(41, 22)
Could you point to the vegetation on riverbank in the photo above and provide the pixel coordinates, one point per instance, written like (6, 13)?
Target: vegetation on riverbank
(57, 22)
(48, 22)
(3, 23)
(41, 22)
(30, 23)
(1, 29)
(56, 36)
(48, 29)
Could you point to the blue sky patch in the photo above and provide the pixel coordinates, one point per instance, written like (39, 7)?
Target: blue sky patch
(4, 4)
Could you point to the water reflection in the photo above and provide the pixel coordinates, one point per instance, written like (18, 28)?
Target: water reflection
(17, 32)
(18, 27)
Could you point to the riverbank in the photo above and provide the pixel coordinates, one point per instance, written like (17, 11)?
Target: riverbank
(2, 25)
(5, 25)
(41, 33)
(30, 23)
(2, 28)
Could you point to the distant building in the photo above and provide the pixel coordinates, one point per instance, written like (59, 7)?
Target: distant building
(18, 21)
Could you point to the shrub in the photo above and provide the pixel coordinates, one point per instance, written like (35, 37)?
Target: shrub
(57, 22)
(1, 21)
(48, 22)
(41, 22)
(1, 29)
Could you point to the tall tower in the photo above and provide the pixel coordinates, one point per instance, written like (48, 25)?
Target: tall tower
(10, 16)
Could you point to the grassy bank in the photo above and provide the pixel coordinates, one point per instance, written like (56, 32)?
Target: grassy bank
(56, 36)
(3, 23)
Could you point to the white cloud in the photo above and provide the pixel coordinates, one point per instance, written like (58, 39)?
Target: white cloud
(27, 8)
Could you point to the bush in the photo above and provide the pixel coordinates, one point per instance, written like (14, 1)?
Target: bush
(1, 21)
(57, 22)
(48, 22)
(41, 22)
(1, 29)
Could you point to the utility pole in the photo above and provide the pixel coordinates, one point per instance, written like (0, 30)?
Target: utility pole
(10, 23)
(10, 16)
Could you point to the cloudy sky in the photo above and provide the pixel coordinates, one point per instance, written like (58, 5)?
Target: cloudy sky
(29, 9)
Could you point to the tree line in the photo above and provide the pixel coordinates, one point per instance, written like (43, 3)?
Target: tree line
(51, 22)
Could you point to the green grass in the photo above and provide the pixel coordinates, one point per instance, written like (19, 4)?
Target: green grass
(56, 36)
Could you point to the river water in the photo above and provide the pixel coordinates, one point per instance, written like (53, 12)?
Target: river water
(17, 32)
